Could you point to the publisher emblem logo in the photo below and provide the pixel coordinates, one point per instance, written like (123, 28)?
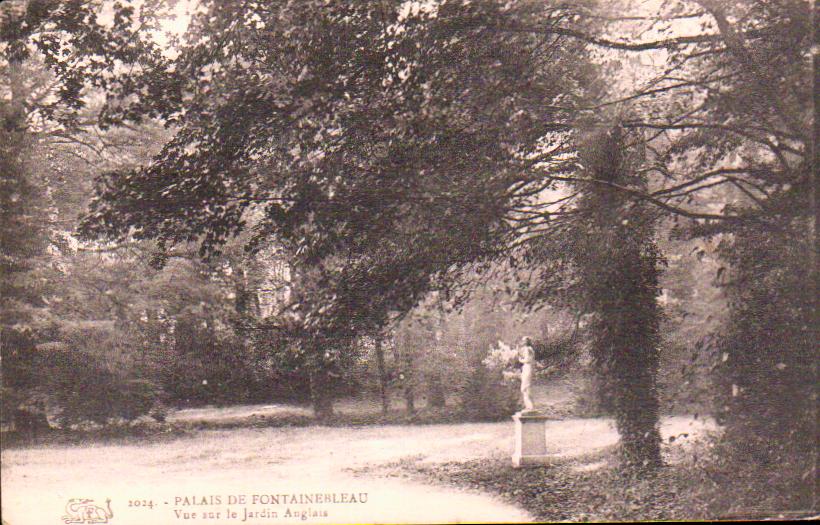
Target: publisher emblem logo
(84, 510)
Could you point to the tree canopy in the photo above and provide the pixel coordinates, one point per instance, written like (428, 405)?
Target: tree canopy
(383, 147)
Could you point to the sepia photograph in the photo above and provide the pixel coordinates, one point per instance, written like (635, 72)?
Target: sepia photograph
(408, 261)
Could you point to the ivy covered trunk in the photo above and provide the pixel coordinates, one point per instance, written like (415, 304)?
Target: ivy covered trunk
(617, 265)
(625, 353)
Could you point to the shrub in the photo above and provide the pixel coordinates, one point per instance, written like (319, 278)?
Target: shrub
(587, 401)
(22, 407)
(487, 396)
(85, 389)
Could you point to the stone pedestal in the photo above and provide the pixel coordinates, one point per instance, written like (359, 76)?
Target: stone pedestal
(530, 439)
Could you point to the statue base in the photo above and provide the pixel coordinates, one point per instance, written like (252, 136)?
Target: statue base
(530, 439)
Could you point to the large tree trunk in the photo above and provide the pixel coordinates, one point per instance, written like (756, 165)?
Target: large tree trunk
(636, 418)
(320, 395)
(382, 376)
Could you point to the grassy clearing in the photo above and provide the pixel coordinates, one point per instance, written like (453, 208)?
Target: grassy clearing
(363, 411)
(146, 430)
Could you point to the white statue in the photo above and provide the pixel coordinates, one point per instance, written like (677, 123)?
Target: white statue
(527, 358)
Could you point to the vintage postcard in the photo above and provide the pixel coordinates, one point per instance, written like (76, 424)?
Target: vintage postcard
(408, 261)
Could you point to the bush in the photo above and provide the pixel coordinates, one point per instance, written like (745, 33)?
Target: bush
(135, 398)
(84, 389)
(197, 365)
(21, 405)
(587, 401)
(487, 396)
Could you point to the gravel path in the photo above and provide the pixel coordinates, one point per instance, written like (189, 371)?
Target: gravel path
(37, 483)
